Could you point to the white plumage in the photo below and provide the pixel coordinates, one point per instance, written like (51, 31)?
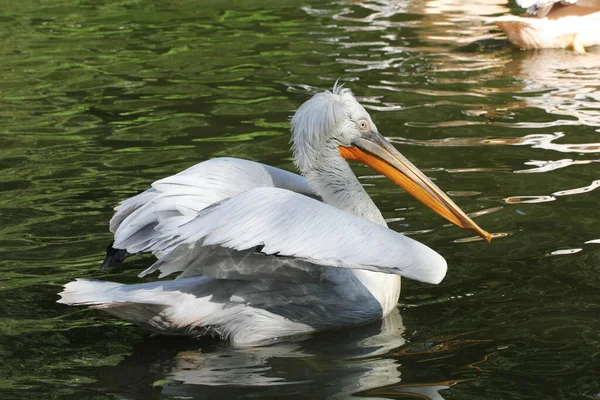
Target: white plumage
(180, 197)
(565, 24)
(264, 254)
(542, 7)
(270, 218)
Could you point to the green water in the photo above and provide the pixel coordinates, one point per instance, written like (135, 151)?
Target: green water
(99, 99)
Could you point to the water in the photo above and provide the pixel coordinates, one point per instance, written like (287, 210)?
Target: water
(100, 99)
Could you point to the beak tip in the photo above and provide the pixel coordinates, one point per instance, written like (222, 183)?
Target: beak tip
(479, 232)
(487, 236)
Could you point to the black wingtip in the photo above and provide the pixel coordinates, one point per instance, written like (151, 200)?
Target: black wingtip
(113, 257)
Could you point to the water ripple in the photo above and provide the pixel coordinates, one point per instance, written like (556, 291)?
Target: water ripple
(552, 197)
(536, 141)
(565, 252)
(547, 166)
(101, 98)
(528, 199)
(579, 190)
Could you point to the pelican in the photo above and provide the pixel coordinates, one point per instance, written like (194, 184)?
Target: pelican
(264, 254)
(554, 24)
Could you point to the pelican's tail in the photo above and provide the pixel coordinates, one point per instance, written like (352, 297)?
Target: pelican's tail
(191, 306)
(89, 292)
(165, 307)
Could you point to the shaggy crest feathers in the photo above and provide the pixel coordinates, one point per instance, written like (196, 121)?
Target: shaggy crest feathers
(318, 120)
(320, 126)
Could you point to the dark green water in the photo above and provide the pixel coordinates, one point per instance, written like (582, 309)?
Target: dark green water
(99, 99)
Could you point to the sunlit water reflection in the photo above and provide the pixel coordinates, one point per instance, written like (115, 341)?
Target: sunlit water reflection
(100, 99)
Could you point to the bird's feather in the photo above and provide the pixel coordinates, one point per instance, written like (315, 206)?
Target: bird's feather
(541, 8)
(286, 224)
(246, 312)
(180, 197)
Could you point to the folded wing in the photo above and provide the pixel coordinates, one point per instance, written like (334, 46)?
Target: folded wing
(276, 222)
(180, 197)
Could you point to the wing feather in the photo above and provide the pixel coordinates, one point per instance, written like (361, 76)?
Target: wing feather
(179, 198)
(542, 7)
(287, 224)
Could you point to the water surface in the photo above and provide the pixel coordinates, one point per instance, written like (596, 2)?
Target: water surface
(99, 99)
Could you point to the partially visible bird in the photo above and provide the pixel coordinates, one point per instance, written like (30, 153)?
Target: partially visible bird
(263, 254)
(561, 24)
(541, 8)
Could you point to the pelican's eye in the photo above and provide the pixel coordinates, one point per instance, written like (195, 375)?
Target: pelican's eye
(363, 125)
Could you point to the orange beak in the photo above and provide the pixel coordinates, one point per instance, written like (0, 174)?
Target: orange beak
(376, 152)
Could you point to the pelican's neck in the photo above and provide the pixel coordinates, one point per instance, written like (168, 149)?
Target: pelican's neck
(337, 185)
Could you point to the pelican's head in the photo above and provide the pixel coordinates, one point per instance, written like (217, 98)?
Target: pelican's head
(332, 125)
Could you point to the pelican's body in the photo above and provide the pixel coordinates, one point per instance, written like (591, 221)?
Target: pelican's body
(263, 253)
(554, 24)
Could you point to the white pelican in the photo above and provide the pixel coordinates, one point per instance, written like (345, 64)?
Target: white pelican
(265, 254)
(554, 24)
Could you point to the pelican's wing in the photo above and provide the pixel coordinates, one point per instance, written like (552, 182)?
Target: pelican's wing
(180, 197)
(532, 6)
(542, 7)
(282, 223)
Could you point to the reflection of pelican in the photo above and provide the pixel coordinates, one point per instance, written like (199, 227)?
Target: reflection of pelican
(571, 24)
(259, 258)
(352, 357)
(336, 365)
